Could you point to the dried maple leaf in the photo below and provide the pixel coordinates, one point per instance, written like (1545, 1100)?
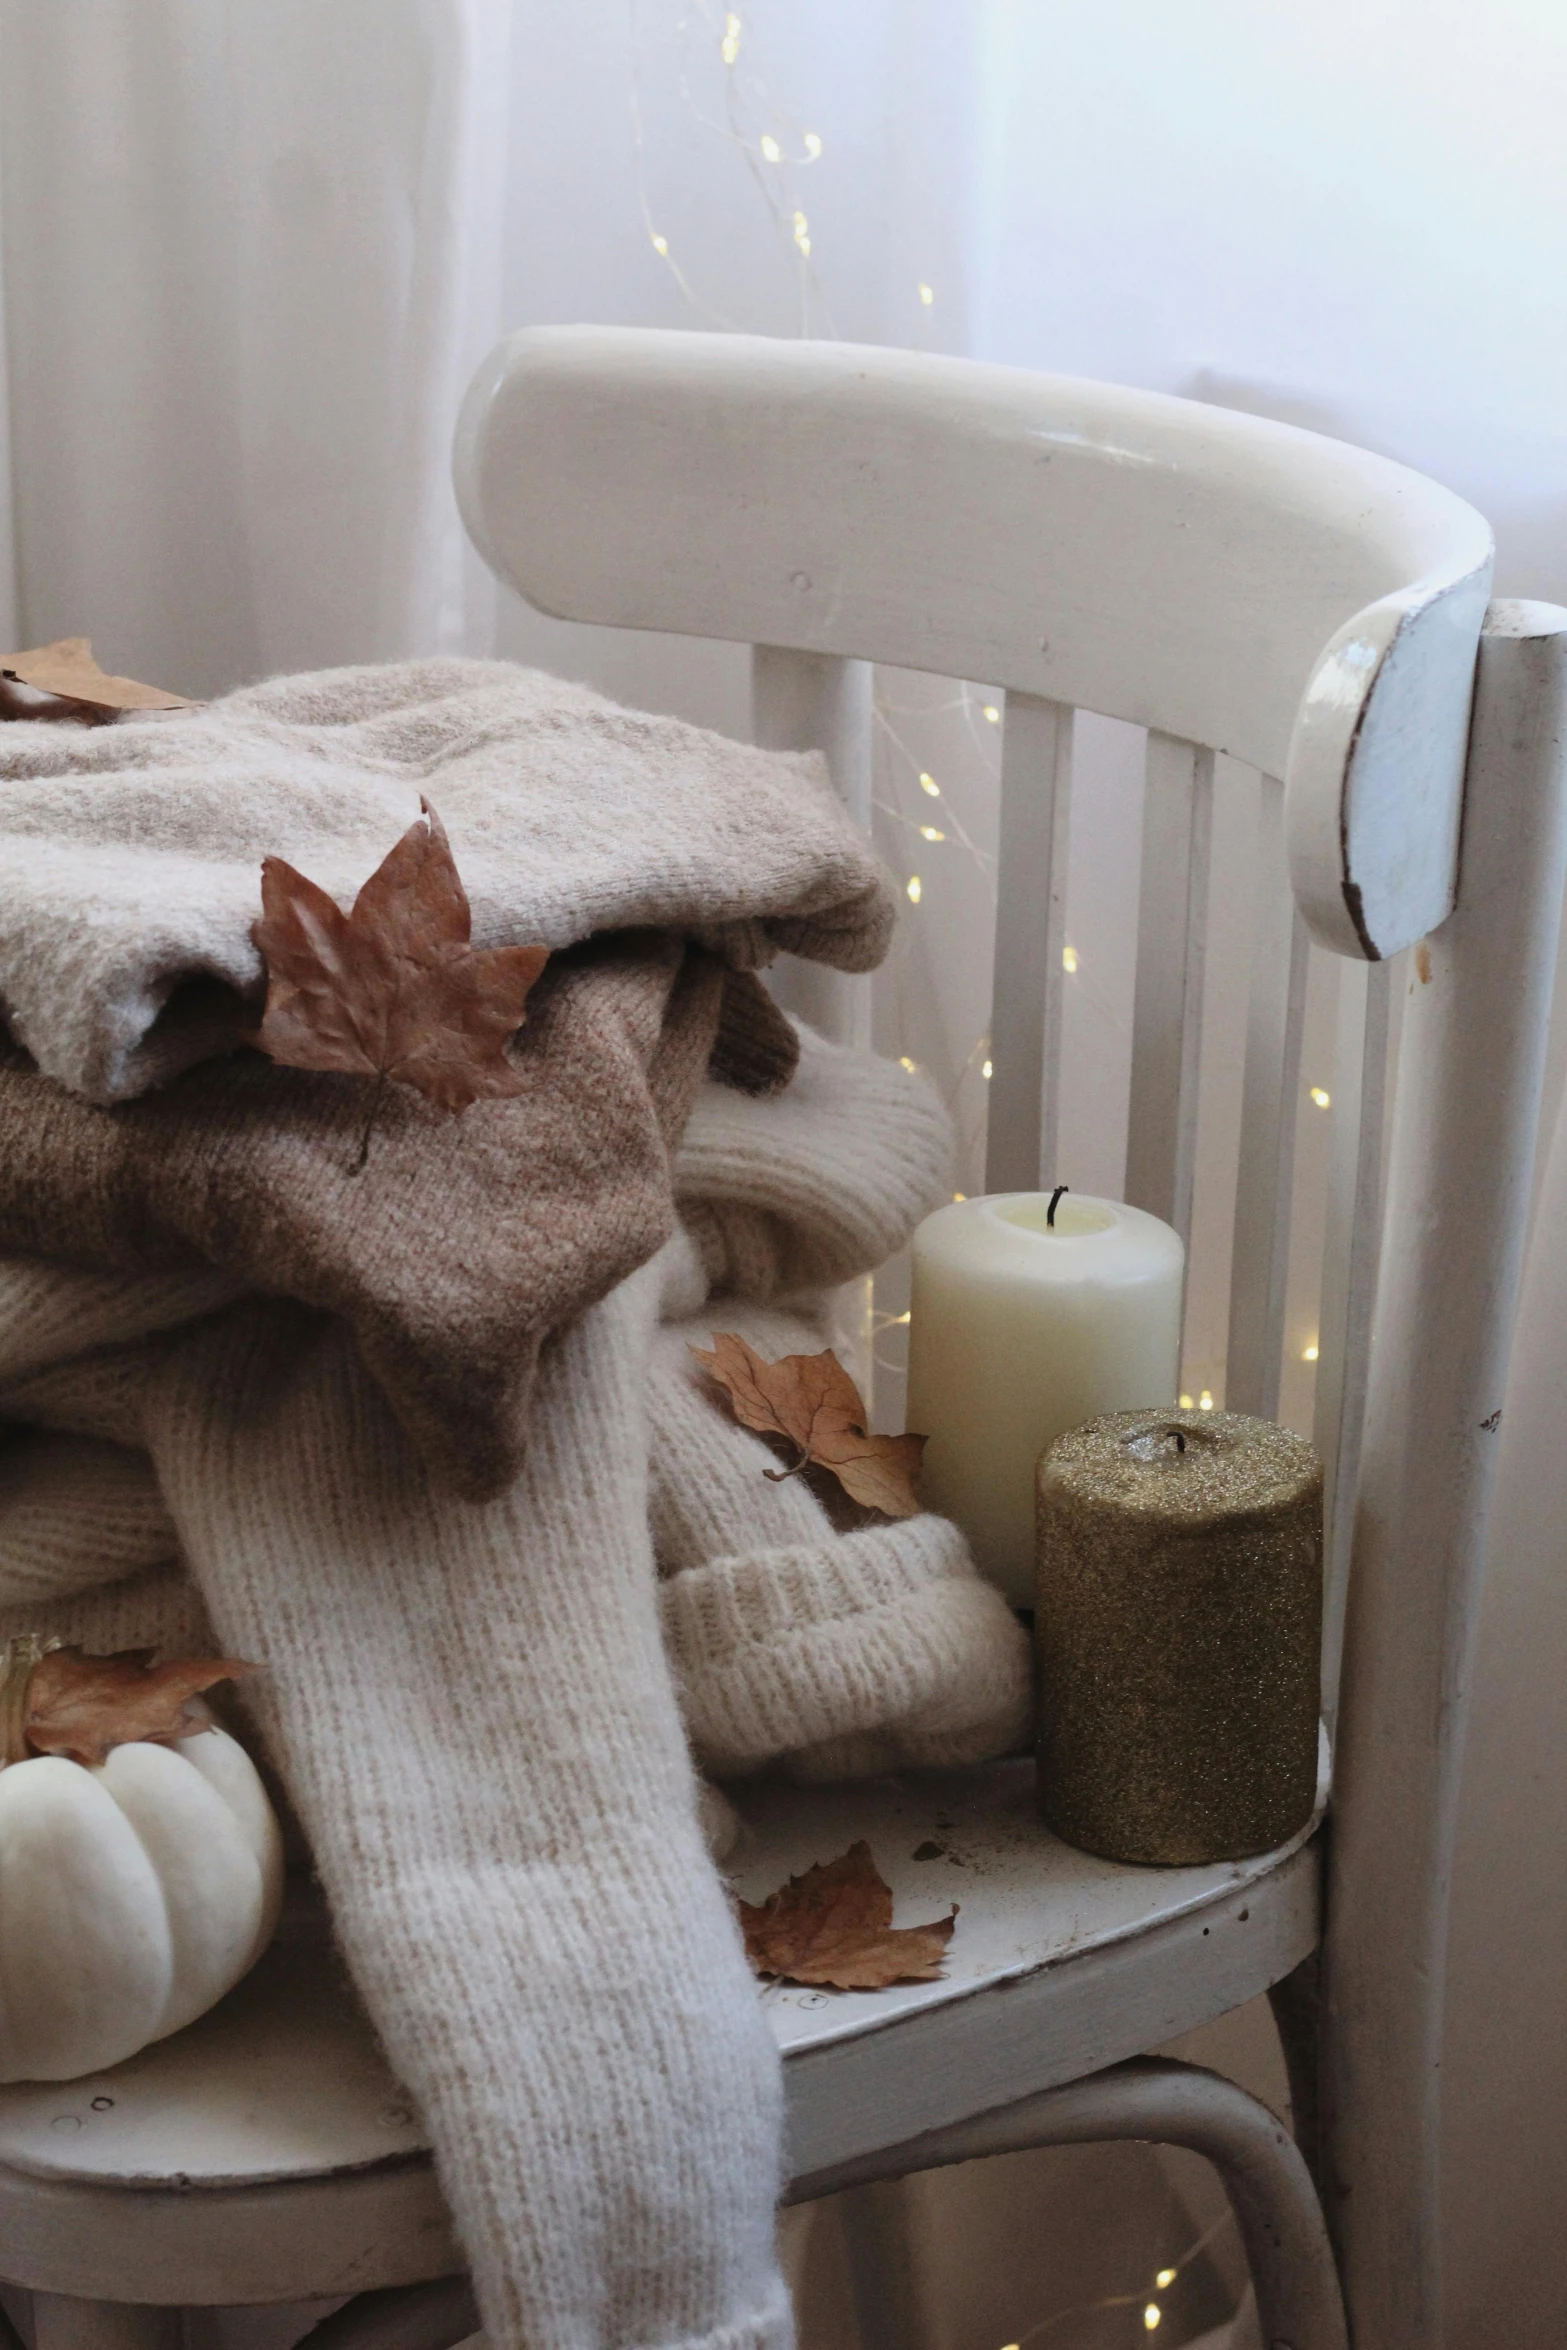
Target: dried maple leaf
(812, 1401)
(394, 990)
(63, 681)
(81, 1705)
(833, 1926)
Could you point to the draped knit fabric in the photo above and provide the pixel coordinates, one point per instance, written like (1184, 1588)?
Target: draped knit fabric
(790, 1639)
(505, 1820)
(130, 854)
(474, 1666)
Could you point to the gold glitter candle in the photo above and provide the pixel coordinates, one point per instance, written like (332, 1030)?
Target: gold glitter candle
(1178, 1617)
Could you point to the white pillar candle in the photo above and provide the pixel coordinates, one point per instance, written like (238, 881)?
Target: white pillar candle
(1019, 1330)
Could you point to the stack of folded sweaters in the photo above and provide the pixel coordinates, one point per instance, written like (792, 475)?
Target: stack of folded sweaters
(427, 1442)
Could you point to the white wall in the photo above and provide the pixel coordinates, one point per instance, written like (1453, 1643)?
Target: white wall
(1351, 213)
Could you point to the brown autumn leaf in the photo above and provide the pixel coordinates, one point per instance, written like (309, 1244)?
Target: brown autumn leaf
(394, 990)
(80, 1705)
(63, 681)
(812, 1401)
(833, 1926)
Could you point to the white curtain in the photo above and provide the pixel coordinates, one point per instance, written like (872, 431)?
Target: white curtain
(240, 262)
(250, 252)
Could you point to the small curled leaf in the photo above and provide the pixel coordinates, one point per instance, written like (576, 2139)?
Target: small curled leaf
(833, 1926)
(812, 1402)
(81, 1706)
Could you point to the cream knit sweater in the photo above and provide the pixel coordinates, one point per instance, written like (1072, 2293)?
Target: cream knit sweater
(507, 1825)
(470, 1701)
(838, 1652)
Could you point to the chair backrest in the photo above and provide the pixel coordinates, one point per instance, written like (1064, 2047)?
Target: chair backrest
(1231, 585)
(1222, 579)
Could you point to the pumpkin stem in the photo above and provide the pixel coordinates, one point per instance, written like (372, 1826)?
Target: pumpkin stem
(18, 1661)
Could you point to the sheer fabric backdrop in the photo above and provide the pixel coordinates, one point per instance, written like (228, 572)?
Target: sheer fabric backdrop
(251, 253)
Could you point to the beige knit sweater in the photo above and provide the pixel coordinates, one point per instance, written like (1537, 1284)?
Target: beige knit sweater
(129, 854)
(789, 1639)
(469, 1702)
(503, 1815)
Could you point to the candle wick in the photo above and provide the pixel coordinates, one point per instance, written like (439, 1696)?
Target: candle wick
(1050, 1212)
(1180, 1440)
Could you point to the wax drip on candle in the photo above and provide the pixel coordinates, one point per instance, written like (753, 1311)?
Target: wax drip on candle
(1057, 1194)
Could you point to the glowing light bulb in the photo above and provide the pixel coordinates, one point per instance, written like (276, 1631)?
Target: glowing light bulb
(1151, 2315)
(1310, 1354)
(729, 46)
(771, 148)
(802, 235)
(927, 294)
(929, 832)
(929, 784)
(813, 146)
(1321, 1097)
(1165, 2277)
(1185, 1402)
(992, 713)
(1205, 1401)
(660, 244)
(1069, 958)
(914, 889)
(987, 1069)
(911, 1066)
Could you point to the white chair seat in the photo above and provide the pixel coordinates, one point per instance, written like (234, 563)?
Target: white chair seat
(281, 2092)
(1088, 1960)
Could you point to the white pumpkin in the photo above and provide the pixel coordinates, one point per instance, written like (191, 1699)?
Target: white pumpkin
(133, 1894)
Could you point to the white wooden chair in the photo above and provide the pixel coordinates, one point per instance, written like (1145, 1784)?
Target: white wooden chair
(1231, 585)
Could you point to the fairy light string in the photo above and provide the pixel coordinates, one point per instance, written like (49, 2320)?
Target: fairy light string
(775, 148)
(941, 822)
(1147, 2301)
(934, 814)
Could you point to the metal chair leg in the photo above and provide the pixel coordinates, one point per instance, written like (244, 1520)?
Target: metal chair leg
(62, 2322)
(891, 2312)
(402, 2317)
(1296, 2002)
(1264, 2175)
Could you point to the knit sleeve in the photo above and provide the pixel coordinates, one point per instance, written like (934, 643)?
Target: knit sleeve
(75, 1512)
(819, 1183)
(843, 1652)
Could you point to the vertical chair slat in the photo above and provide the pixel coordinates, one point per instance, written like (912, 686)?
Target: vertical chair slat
(1026, 997)
(1161, 1150)
(1349, 1276)
(816, 702)
(1265, 1185)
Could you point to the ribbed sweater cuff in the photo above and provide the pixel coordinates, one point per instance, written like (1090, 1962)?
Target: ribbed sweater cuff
(783, 1649)
(769, 2328)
